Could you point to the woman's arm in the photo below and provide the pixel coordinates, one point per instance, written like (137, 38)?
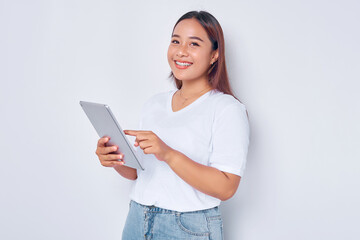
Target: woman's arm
(127, 172)
(208, 180)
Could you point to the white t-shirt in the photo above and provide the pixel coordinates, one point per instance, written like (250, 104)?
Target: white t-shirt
(213, 130)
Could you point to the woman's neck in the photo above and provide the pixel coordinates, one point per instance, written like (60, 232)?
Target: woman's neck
(191, 88)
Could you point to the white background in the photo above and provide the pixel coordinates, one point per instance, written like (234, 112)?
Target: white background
(294, 64)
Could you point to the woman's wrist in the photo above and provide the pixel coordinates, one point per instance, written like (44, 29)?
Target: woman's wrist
(126, 172)
(170, 156)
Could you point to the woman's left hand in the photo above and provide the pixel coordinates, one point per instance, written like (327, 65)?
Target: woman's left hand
(151, 144)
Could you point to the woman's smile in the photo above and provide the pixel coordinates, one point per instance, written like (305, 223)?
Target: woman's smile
(182, 64)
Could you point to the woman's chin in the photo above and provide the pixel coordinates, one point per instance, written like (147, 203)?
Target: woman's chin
(180, 76)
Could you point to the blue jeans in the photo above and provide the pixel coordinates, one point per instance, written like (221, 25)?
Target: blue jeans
(150, 222)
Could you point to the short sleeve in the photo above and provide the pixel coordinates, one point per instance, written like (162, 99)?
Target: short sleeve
(230, 140)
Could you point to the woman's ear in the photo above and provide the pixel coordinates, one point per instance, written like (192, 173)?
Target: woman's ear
(215, 56)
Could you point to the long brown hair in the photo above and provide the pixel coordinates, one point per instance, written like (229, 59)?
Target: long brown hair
(218, 77)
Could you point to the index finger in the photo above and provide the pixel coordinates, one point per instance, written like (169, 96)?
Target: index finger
(102, 141)
(131, 132)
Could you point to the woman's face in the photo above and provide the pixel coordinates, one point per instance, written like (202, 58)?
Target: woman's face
(190, 52)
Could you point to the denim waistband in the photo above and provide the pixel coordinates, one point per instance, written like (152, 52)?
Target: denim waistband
(163, 210)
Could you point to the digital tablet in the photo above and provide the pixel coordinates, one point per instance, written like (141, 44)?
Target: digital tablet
(105, 124)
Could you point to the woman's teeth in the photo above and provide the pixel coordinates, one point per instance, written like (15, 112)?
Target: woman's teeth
(182, 64)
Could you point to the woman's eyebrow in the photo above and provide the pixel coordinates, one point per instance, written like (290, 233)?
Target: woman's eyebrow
(191, 37)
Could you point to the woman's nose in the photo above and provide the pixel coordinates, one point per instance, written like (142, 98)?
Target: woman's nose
(181, 51)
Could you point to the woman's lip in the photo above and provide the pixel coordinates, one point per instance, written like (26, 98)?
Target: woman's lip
(182, 61)
(181, 67)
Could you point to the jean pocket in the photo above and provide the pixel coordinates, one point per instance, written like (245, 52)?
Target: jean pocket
(215, 224)
(214, 218)
(193, 223)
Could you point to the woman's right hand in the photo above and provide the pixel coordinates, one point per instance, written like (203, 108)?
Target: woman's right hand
(105, 155)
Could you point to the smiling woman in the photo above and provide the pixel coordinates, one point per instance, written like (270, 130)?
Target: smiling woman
(191, 49)
(192, 141)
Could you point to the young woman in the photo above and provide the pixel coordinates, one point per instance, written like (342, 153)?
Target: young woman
(193, 141)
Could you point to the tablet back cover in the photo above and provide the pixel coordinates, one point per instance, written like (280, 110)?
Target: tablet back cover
(106, 124)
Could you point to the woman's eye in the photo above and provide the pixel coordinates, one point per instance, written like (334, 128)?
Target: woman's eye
(193, 43)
